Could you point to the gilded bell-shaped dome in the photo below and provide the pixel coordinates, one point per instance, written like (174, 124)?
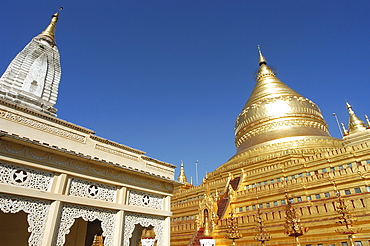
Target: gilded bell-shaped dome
(275, 113)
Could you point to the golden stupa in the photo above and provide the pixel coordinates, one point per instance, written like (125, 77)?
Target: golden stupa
(276, 114)
(278, 187)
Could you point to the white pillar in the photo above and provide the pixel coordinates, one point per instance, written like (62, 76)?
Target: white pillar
(58, 187)
(166, 231)
(120, 218)
(118, 228)
(167, 221)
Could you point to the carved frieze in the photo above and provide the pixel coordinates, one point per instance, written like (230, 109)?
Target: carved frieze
(41, 126)
(71, 212)
(21, 176)
(131, 219)
(116, 152)
(120, 174)
(89, 189)
(143, 199)
(37, 211)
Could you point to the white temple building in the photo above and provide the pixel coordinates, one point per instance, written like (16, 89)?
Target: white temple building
(60, 184)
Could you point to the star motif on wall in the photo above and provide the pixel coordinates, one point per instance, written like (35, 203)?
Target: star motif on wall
(93, 190)
(146, 200)
(20, 176)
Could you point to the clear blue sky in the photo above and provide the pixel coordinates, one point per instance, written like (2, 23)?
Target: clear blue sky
(170, 77)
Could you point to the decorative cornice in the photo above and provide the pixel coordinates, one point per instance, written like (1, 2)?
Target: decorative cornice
(146, 158)
(121, 146)
(116, 152)
(41, 126)
(45, 117)
(88, 164)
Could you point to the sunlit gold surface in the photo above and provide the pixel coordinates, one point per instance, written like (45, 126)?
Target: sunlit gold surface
(275, 111)
(354, 123)
(283, 148)
(50, 29)
(262, 59)
(182, 176)
(98, 241)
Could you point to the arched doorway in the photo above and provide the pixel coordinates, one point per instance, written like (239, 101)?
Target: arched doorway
(82, 232)
(141, 234)
(14, 229)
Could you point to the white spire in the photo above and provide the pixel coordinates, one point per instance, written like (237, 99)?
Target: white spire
(32, 78)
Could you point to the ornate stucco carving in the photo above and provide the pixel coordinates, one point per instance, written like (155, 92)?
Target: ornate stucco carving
(88, 167)
(37, 211)
(116, 152)
(210, 205)
(131, 219)
(41, 126)
(71, 212)
(94, 190)
(143, 199)
(21, 176)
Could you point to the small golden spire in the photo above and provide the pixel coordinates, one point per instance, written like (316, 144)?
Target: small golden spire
(262, 59)
(50, 29)
(98, 240)
(354, 123)
(182, 176)
(264, 71)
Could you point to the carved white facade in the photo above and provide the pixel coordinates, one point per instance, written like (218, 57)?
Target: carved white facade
(21, 176)
(88, 189)
(57, 179)
(158, 223)
(71, 212)
(143, 199)
(32, 78)
(55, 185)
(36, 209)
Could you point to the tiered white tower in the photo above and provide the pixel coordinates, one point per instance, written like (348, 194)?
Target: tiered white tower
(32, 78)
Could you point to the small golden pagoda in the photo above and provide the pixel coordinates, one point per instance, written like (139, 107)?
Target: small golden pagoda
(98, 240)
(282, 147)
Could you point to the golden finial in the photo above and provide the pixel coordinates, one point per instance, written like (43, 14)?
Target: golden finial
(354, 123)
(50, 29)
(262, 59)
(264, 71)
(182, 176)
